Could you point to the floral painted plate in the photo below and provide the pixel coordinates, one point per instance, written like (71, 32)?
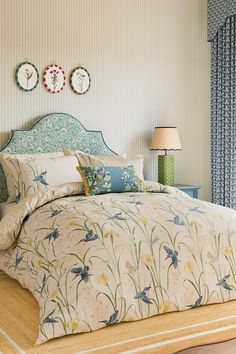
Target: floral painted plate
(27, 76)
(54, 78)
(80, 80)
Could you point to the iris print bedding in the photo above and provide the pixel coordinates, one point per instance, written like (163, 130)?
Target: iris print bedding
(94, 261)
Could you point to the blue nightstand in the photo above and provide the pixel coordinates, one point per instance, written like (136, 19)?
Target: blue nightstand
(190, 190)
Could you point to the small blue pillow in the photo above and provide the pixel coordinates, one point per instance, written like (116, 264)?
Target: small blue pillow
(101, 179)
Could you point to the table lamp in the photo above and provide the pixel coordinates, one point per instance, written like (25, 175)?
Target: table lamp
(166, 139)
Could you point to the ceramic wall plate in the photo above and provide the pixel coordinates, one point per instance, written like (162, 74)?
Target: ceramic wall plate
(27, 76)
(54, 78)
(80, 80)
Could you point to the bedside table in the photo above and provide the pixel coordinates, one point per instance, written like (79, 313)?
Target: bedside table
(190, 190)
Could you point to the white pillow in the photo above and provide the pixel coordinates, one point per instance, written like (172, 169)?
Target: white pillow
(36, 174)
(108, 160)
(8, 173)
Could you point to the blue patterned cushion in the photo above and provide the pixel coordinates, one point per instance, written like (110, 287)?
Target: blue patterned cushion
(102, 179)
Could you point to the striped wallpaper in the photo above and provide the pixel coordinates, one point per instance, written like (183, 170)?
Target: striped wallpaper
(149, 62)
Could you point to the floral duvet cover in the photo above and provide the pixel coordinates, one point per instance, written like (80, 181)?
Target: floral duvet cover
(95, 261)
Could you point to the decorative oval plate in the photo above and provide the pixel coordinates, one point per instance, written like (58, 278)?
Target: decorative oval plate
(27, 76)
(54, 78)
(80, 80)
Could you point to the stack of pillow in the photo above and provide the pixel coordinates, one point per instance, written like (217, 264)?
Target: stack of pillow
(26, 174)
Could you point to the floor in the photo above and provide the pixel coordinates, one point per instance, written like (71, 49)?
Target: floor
(228, 347)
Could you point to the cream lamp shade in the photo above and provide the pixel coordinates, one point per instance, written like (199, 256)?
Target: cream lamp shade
(165, 138)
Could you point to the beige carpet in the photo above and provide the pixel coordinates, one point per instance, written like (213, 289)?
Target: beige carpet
(162, 334)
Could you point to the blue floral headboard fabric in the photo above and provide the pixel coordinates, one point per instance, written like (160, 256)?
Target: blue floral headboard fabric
(53, 132)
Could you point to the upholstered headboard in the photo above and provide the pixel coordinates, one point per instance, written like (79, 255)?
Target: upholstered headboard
(53, 132)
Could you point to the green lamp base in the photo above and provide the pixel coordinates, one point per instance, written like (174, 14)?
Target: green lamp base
(166, 169)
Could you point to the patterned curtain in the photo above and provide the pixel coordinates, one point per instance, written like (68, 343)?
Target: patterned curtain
(223, 114)
(218, 11)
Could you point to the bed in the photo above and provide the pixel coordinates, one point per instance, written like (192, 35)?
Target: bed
(94, 261)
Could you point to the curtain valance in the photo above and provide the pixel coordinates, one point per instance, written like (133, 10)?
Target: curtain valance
(218, 11)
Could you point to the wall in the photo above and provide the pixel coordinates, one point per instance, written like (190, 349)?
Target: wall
(149, 63)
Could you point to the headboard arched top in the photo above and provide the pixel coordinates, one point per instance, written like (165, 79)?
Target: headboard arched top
(53, 132)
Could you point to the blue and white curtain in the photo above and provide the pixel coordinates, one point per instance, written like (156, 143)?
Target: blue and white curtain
(222, 34)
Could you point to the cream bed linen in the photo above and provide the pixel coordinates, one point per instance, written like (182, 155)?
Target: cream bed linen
(94, 261)
(5, 208)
